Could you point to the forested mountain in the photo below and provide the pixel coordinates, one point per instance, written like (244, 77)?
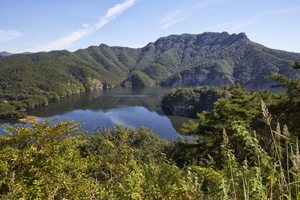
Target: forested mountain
(246, 148)
(27, 80)
(211, 58)
(187, 59)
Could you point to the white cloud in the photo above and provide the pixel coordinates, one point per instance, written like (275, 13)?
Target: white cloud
(9, 35)
(207, 3)
(232, 26)
(63, 42)
(172, 23)
(260, 17)
(171, 19)
(252, 20)
(111, 14)
(279, 11)
(178, 15)
(243, 24)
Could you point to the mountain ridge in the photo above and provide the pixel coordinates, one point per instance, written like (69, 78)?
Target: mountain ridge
(167, 57)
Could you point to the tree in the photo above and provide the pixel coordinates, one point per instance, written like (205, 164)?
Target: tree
(239, 105)
(41, 162)
(288, 108)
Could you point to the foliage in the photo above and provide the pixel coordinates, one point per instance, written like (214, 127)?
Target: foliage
(138, 78)
(41, 162)
(239, 105)
(262, 176)
(189, 102)
(51, 161)
(45, 162)
(58, 161)
(223, 58)
(288, 108)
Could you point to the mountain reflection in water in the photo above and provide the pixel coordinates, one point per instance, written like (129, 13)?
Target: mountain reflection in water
(130, 107)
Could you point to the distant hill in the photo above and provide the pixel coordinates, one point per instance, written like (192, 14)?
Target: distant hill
(5, 53)
(178, 60)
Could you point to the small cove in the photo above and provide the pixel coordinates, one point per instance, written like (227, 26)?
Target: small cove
(130, 107)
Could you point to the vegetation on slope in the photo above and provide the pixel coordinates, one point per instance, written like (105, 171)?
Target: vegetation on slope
(238, 105)
(138, 78)
(188, 102)
(247, 149)
(45, 162)
(29, 80)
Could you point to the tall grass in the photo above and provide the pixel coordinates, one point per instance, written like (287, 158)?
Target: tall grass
(261, 175)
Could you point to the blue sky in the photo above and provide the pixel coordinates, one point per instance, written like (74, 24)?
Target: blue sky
(45, 25)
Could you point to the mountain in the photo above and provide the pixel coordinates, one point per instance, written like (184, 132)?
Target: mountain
(179, 60)
(27, 80)
(27, 52)
(5, 53)
(188, 59)
(218, 58)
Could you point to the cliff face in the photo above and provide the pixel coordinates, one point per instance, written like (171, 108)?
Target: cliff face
(190, 79)
(96, 84)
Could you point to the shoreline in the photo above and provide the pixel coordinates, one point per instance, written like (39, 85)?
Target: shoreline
(29, 119)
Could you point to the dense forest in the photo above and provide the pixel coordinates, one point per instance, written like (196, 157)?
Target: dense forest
(213, 59)
(247, 148)
(191, 101)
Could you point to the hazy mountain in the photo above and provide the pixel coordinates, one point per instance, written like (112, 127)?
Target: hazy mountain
(5, 53)
(27, 52)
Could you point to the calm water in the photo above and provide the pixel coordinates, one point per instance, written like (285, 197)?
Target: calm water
(131, 107)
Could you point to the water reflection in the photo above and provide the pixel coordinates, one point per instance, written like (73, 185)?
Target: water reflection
(131, 107)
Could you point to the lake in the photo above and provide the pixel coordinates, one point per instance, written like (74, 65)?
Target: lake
(130, 107)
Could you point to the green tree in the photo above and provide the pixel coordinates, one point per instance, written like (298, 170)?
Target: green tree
(288, 108)
(42, 162)
(239, 105)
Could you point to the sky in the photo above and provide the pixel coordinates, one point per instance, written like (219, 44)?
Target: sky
(45, 25)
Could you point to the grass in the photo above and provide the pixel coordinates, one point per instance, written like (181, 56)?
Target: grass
(261, 176)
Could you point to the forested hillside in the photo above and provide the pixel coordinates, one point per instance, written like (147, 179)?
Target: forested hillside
(189, 102)
(247, 148)
(29, 80)
(236, 104)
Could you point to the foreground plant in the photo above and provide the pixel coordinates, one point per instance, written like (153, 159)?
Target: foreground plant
(57, 161)
(262, 176)
(53, 161)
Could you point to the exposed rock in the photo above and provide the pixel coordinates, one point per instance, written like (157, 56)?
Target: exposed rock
(29, 119)
(96, 84)
(199, 79)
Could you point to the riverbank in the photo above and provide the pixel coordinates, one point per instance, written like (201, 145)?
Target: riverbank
(28, 119)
